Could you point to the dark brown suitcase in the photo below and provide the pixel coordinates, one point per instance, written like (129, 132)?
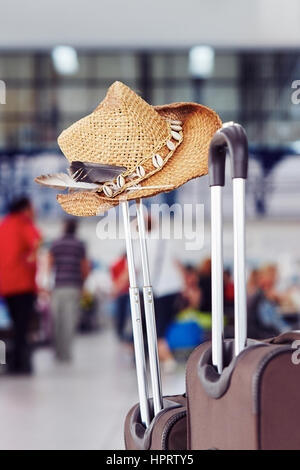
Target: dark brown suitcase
(253, 404)
(241, 394)
(167, 430)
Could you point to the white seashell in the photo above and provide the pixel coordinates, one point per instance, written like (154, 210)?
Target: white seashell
(171, 145)
(176, 123)
(120, 181)
(140, 171)
(107, 190)
(176, 127)
(157, 161)
(176, 135)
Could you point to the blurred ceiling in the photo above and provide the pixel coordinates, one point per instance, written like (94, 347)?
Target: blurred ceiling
(149, 23)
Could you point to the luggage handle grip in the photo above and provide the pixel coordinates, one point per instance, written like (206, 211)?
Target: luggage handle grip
(232, 137)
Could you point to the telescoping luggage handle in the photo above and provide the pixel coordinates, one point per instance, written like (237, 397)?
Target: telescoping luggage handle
(231, 139)
(137, 327)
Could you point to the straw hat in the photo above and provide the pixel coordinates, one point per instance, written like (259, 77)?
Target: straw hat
(126, 149)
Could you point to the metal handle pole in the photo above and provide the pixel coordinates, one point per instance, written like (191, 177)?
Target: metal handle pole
(149, 314)
(217, 285)
(240, 294)
(137, 327)
(232, 138)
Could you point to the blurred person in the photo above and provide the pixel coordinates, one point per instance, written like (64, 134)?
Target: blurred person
(254, 295)
(271, 299)
(192, 299)
(191, 296)
(187, 330)
(19, 240)
(253, 283)
(190, 276)
(263, 302)
(191, 326)
(120, 279)
(167, 287)
(228, 295)
(205, 284)
(228, 287)
(67, 258)
(88, 313)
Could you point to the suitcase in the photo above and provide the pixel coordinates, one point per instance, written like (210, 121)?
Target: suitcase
(167, 430)
(158, 423)
(241, 394)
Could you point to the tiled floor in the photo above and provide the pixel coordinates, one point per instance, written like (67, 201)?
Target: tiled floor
(81, 406)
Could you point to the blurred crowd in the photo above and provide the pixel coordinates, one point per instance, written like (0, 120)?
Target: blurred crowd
(65, 305)
(183, 303)
(25, 300)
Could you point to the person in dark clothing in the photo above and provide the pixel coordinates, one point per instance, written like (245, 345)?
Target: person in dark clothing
(19, 241)
(67, 258)
(21, 307)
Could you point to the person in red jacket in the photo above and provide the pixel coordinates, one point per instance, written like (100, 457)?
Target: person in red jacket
(120, 280)
(19, 241)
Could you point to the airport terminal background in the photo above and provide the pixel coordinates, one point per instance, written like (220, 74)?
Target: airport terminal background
(65, 406)
(249, 87)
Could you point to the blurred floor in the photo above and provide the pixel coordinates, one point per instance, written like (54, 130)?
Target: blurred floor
(82, 406)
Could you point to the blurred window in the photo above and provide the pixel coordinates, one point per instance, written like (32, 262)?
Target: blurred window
(250, 87)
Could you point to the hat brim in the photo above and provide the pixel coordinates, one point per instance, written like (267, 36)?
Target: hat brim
(190, 160)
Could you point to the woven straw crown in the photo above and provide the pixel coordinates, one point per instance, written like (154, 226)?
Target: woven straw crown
(121, 131)
(126, 131)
